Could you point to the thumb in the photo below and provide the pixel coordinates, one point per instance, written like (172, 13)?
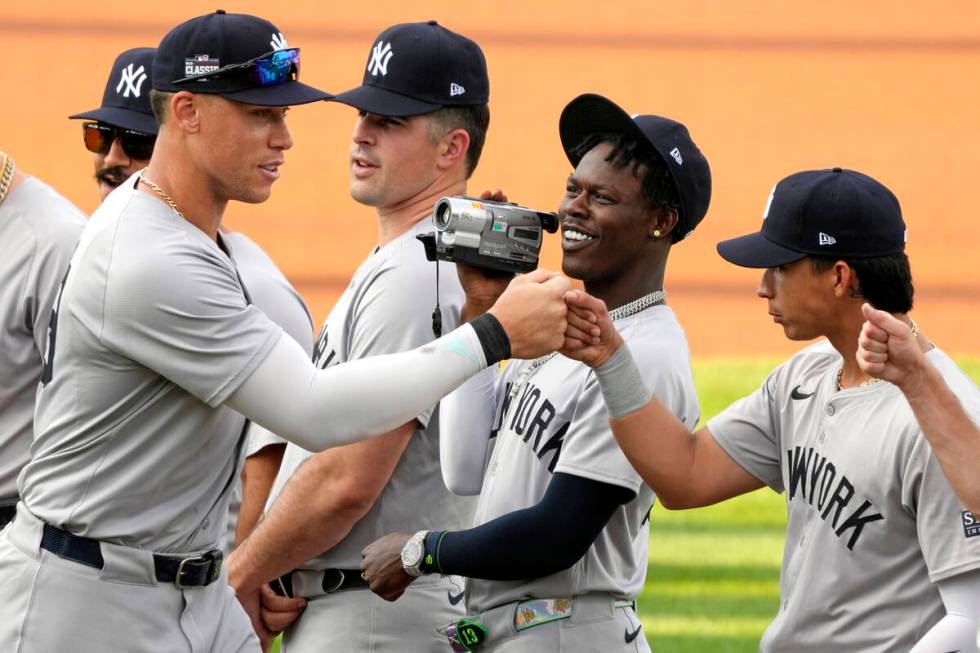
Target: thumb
(884, 321)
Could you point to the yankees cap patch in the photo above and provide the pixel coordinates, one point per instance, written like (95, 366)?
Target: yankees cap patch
(131, 80)
(200, 64)
(971, 524)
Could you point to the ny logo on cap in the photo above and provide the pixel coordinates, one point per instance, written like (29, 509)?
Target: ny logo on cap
(278, 42)
(380, 56)
(456, 89)
(132, 80)
(826, 240)
(676, 153)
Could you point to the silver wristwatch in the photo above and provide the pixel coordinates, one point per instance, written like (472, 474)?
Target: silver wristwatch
(413, 553)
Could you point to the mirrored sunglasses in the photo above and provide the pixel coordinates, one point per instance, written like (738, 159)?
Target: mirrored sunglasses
(99, 136)
(268, 69)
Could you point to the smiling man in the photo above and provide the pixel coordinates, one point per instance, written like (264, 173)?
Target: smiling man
(423, 118)
(559, 553)
(154, 342)
(880, 555)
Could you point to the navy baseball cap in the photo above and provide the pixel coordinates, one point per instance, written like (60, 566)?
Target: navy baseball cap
(590, 114)
(833, 213)
(126, 99)
(220, 53)
(418, 68)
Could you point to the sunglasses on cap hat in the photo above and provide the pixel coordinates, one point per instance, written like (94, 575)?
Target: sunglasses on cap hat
(268, 69)
(99, 136)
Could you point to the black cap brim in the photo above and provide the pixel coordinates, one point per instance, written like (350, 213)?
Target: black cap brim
(593, 114)
(280, 95)
(122, 118)
(384, 102)
(757, 251)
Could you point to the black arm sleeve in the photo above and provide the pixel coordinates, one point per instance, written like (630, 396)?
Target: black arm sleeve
(536, 541)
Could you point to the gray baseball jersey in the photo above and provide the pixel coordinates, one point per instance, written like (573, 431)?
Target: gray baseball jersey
(38, 232)
(872, 521)
(557, 422)
(153, 332)
(271, 292)
(387, 308)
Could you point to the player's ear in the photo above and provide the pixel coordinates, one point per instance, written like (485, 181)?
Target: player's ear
(185, 109)
(453, 148)
(662, 222)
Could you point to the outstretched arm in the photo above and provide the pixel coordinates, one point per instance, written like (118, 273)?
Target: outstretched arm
(685, 469)
(346, 403)
(888, 350)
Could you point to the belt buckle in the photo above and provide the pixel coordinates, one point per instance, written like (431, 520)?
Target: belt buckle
(211, 558)
(341, 577)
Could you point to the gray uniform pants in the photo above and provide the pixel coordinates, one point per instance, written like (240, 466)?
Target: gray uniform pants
(594, 626)
(358, 621)
(50, 604)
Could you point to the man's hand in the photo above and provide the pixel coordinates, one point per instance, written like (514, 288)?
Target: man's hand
(278, 612)
(888, 350)
(381, 562)
(532, 311)
(590, 336)
(250, 601)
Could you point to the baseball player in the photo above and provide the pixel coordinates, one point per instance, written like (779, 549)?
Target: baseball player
(38, 232)
(120, 134)
(423, 120)
(888, 350)
(879, 554)
(153, 340)
(121, 139)
(559, 554)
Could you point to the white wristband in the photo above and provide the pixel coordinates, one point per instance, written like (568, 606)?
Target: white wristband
(622, 386)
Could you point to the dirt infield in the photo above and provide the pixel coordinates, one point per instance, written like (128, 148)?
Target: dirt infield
(765, 90)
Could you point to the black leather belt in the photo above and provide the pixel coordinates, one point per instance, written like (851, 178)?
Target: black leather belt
(7, 515)
(334, 580)
(195, 571)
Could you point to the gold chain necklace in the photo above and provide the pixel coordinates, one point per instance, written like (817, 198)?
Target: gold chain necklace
(6, 175)
(159, 191)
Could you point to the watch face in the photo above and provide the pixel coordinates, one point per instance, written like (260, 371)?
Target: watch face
(412, 553)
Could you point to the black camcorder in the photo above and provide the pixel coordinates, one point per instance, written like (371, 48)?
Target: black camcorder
(487, 235)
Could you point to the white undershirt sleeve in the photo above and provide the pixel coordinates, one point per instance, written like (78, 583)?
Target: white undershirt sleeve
(346, 403)
(465, 420)
(957, 631)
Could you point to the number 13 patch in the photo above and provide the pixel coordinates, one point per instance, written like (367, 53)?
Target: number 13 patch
(971, 524)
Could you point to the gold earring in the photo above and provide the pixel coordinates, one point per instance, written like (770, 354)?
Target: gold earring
(655, 233)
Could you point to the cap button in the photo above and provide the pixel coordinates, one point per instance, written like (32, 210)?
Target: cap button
(219, 11)
(838, 170)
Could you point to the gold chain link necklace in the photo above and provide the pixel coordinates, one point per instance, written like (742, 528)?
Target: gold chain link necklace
(6, 175)
(159, 191)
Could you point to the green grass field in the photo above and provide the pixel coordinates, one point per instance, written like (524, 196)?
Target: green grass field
(713, 578)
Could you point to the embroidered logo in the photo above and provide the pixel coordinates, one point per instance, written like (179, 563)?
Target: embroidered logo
(456, 89)
(971, 524)
(132, 80)
(380, 56)
(765, 211)
(826, 239)
(200, 64)
(676, 153)
(278, 41)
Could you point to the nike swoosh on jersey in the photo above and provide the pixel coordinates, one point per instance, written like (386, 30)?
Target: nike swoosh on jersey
(454, 600)
(630, 636)
(796, 394)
